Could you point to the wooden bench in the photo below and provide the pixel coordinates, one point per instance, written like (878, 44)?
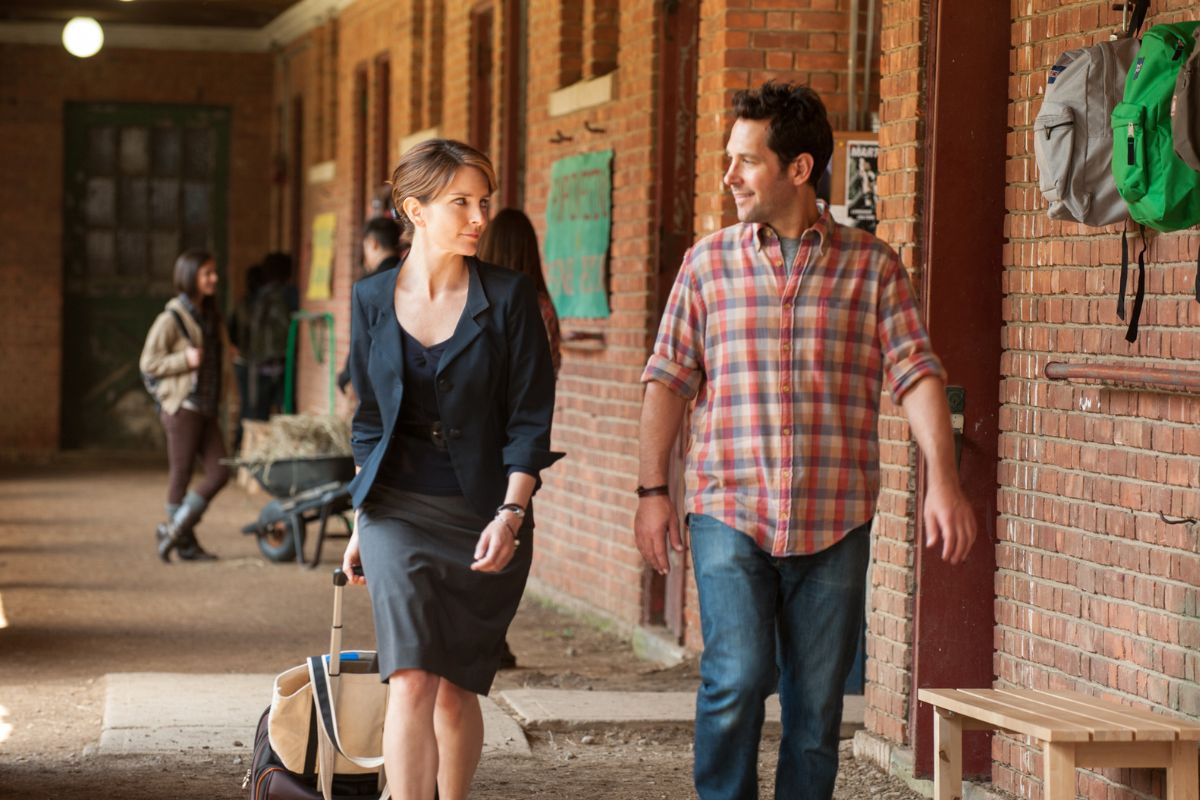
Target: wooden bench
(1075, 731)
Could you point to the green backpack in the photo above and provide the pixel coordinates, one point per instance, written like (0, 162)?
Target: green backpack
(1161, 190)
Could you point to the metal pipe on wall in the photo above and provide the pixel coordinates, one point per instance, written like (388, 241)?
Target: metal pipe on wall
(852, 69)
(868, 60)
(1153, 377)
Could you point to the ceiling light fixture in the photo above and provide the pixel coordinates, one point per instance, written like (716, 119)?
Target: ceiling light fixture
(83, 37)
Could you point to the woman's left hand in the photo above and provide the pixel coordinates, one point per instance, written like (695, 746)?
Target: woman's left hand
(497, 546)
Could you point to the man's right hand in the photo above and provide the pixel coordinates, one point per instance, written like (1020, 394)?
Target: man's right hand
(194, 356)
(655, 524)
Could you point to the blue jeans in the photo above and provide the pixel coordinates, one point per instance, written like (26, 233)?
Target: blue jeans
(767, 622)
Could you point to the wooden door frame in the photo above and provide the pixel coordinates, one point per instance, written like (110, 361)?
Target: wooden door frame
(678, 36)
(513, 75)
(299, 182)
(382, 90)
(962, 252)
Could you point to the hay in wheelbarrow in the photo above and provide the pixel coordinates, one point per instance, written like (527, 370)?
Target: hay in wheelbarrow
(287, 436)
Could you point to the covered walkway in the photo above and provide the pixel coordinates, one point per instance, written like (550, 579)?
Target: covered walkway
(83, 598)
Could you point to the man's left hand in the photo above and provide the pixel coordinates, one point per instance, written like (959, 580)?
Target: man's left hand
(950, 520)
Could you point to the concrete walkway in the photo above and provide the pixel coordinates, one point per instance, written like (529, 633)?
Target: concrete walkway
(559, 709)
(158, 712)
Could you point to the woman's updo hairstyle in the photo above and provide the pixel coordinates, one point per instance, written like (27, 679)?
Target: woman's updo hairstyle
(427, 168)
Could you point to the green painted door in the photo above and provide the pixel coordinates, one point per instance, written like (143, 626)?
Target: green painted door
(142, 184)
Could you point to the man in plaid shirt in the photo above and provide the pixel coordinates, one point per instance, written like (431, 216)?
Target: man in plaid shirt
(783, 329)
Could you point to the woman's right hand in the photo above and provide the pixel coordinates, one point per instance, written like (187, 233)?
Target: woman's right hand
(352, 558)
(194, 356)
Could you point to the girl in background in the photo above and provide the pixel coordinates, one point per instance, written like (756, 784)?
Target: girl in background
(510, 241)
(182, 356)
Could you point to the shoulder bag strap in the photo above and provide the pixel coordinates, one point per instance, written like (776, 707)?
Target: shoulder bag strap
(323, 698)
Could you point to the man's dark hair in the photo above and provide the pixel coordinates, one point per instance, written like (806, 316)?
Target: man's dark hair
(385, 233)
(797, 122)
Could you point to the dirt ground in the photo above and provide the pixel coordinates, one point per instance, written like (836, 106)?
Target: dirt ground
(83, 595)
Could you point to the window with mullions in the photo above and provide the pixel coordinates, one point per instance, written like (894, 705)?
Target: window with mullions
(142, 183)
(588, 40)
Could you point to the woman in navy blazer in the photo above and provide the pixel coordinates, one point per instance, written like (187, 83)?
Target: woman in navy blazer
(450, 361)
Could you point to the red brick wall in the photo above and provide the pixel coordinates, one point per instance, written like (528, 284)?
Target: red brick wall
(362, 32)
(1093, 589)
(585, 511)
(320, 66)
(31, 197)
(890, 605)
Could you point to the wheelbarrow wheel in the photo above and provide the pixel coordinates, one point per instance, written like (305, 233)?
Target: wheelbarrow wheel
(278, 542)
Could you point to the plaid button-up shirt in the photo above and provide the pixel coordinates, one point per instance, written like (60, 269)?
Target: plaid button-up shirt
(787, 367)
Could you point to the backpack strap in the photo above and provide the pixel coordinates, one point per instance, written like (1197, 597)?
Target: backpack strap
(182, 328)
(1140, 7)
(1124, 271)
(1131, 334)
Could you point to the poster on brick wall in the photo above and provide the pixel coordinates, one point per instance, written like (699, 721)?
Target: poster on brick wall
(578, 231)
(854, 173)
(320, 276)
(862, 168)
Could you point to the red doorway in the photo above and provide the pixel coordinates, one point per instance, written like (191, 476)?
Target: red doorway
(663, 597)
(963, 238)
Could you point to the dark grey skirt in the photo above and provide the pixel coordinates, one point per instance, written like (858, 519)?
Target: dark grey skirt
(432, 612)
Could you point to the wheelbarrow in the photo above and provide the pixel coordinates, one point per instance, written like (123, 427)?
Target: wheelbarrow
(307, 489)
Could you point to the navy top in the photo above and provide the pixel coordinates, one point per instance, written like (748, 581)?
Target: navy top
(420, 461)
(495, 384)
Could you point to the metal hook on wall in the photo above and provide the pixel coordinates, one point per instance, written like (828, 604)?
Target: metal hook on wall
(560, 137)
(590, 128)
(1133, 14)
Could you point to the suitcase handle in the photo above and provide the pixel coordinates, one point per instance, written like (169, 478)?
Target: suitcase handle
(335, 632)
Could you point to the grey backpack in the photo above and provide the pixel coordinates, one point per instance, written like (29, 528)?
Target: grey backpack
(1185, 110)
(1072, 135)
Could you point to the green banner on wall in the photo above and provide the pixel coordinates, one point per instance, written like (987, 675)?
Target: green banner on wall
(578, 228)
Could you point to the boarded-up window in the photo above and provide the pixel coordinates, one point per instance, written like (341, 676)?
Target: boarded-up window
(482, 84)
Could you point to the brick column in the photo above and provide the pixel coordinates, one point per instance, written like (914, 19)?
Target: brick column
(891, 606)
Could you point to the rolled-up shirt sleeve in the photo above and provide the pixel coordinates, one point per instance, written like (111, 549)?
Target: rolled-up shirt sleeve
(677, 360)
(904, 342)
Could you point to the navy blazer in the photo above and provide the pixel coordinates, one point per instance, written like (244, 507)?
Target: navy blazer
(495, 383)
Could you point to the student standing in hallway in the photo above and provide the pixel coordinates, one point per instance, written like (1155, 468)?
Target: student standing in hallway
(784, 329)
(183, 356)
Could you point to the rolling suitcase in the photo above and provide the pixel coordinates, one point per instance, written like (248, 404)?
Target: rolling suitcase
(300, 749)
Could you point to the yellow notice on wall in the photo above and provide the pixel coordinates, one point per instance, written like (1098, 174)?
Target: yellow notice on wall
(320, 277)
